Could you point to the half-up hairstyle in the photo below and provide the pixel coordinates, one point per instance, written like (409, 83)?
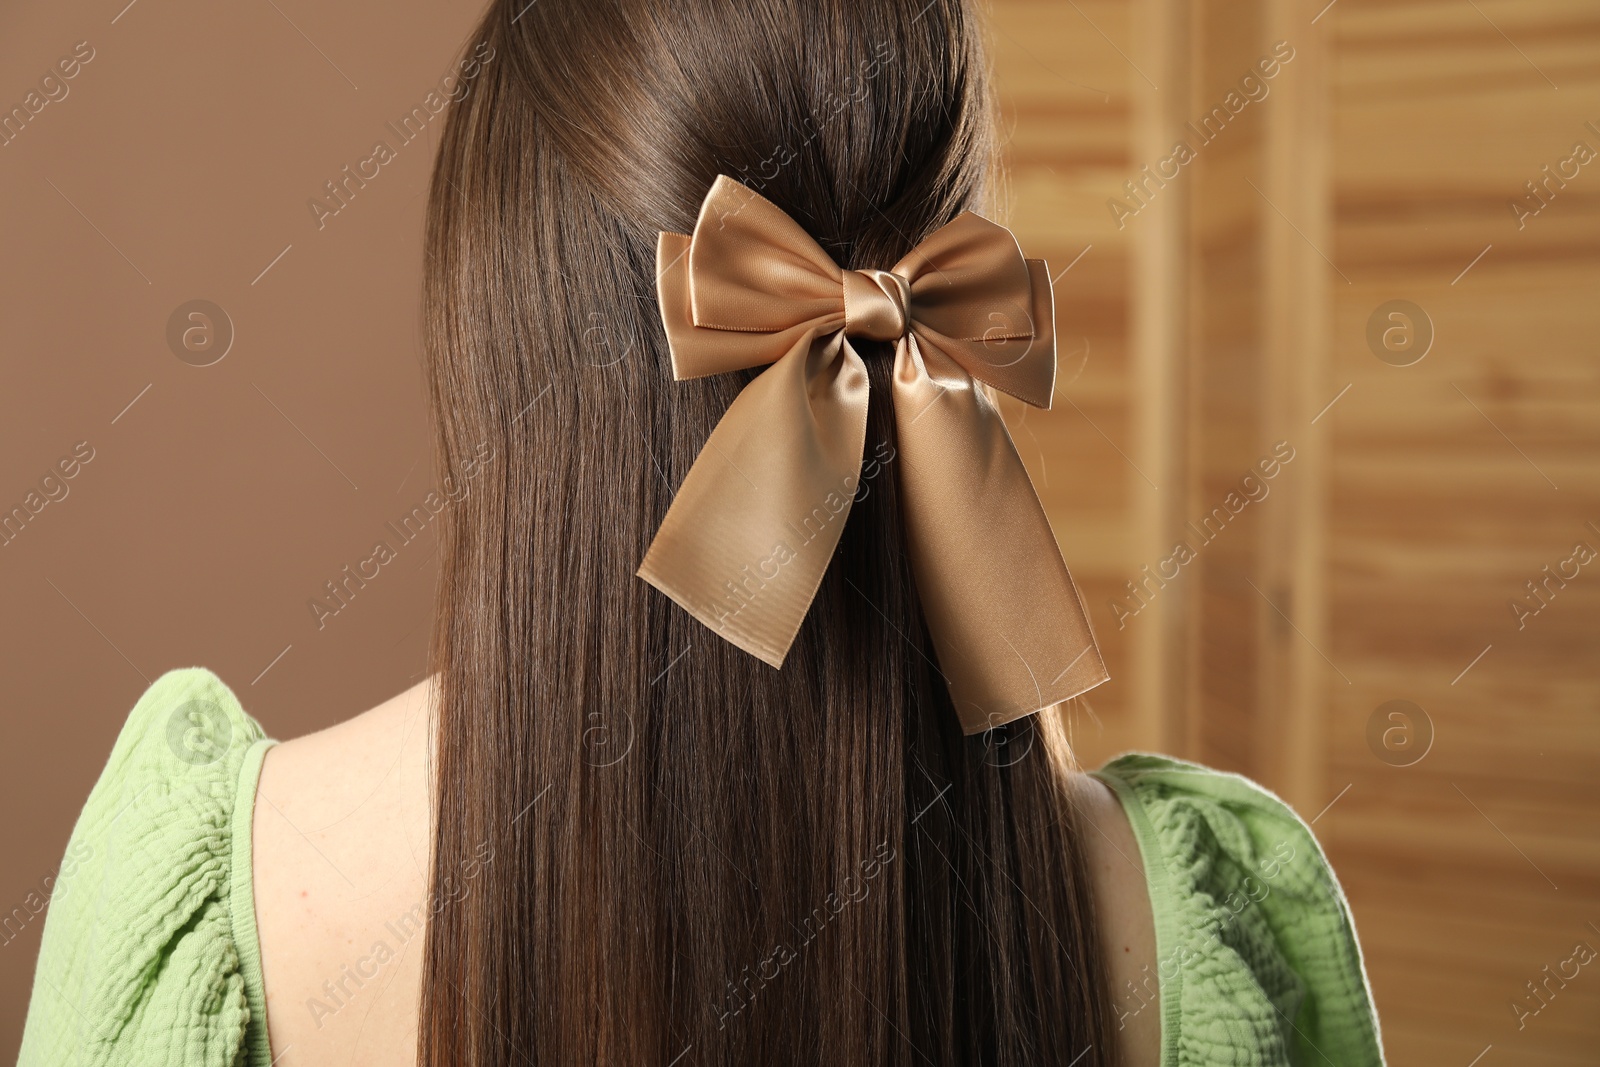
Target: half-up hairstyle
(649, 847)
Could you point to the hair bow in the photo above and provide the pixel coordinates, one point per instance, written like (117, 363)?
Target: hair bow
(753, 526)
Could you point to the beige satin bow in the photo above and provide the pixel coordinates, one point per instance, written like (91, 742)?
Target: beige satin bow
(754, 524)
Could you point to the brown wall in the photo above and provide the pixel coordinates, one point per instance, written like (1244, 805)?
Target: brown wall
(178, 167)
(1220, 317)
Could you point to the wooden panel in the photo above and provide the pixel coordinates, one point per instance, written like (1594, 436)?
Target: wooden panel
(1162, 615)
(1065, 95)
(1456, 480)
(1423, 499)
(1292, 629)
(1231, 206)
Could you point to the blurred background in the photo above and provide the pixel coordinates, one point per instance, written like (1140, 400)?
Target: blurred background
(1324, 456)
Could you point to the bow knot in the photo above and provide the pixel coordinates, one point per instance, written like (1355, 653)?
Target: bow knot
(754, 525)
(877, 305)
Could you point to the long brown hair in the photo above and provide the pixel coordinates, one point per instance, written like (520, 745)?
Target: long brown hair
(651, 848)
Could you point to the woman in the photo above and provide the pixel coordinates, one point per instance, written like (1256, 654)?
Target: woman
(607, 830)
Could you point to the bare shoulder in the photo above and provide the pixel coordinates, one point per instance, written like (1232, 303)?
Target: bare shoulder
(1127, 925)
(340, 856)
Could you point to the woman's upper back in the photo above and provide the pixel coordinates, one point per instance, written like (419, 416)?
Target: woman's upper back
(1227, 935)
(341, 857)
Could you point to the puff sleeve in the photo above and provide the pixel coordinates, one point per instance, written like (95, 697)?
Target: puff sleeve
(149, 953)
(1259, 965)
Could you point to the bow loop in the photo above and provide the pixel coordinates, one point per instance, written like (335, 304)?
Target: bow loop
(754, 525)
(753, 269)
(975, 298)
(963, 272)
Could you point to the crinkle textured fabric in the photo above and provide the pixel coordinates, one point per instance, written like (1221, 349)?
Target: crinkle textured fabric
(150, 956)
(1256, 953)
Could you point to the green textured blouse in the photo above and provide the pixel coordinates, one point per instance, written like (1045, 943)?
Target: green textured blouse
(150, 955)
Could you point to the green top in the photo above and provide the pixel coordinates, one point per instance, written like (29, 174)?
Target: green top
(150, 956)
(1256, 952)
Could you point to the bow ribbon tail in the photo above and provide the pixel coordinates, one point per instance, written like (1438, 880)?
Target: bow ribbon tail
(753, 526)
(1010, 628)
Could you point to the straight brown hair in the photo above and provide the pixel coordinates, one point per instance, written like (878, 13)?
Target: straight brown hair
(649, 847)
